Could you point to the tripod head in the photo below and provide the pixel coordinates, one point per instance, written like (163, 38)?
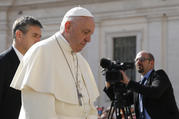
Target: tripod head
(120, 102)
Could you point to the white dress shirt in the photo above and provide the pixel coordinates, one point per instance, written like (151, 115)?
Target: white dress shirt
(19, 55)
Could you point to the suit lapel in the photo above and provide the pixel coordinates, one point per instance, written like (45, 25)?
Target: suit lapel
(13, 61)
(13, 58)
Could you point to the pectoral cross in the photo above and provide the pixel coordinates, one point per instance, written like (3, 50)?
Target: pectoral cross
(79, 97)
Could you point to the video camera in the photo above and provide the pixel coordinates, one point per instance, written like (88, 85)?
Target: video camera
(120, 100)
(113, 74)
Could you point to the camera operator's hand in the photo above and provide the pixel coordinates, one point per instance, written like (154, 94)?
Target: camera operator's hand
(107, 84)
(125, 78)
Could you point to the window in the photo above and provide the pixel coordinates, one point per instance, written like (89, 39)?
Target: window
(124, 50)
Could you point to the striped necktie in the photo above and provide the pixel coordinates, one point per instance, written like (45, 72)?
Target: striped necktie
(143, 81)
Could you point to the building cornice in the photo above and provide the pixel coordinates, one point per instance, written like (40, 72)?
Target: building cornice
(49, 4)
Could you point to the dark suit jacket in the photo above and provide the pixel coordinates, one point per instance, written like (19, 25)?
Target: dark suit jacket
(10, 99)
(158, 96)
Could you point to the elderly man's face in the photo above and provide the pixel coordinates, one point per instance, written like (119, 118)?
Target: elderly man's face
(80, 31)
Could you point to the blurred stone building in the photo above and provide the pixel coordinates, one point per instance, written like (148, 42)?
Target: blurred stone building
(123, 27)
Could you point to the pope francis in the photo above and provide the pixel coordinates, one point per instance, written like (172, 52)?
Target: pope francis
(55, 80)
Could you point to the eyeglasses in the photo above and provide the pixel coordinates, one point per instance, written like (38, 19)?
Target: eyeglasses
(142, 59)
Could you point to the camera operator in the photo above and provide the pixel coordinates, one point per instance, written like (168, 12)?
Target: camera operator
(153, 96)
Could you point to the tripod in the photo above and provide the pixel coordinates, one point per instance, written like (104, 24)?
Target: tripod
(118, 106)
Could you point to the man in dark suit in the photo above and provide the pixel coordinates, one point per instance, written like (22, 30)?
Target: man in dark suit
(26, 31)
(153, 97)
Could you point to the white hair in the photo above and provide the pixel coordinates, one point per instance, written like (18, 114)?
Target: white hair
(62, 26)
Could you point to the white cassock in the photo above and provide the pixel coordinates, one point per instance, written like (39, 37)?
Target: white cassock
(48, 86)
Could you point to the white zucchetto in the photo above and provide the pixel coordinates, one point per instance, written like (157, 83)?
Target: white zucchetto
(74, 12)
(78, 11)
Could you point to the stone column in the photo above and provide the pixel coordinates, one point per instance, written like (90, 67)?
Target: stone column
(3, 30)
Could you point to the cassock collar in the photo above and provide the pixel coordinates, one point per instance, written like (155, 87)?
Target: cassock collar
(63, 42)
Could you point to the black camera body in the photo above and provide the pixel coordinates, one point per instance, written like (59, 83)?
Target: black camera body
(113, 74)
(120, 93)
